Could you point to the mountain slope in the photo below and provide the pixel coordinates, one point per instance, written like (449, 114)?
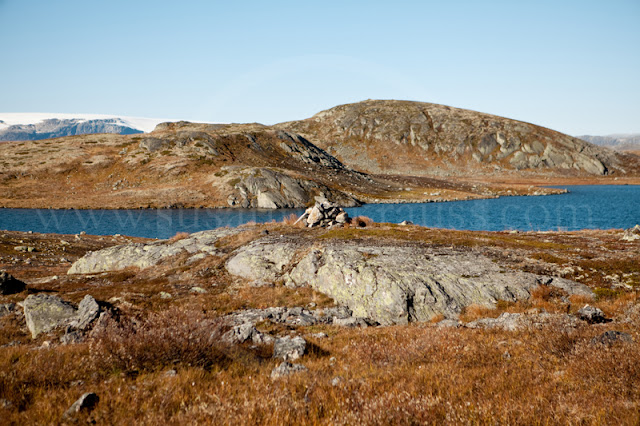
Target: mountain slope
(403, 137)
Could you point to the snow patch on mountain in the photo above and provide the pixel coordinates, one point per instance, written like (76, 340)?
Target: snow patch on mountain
(139, 123)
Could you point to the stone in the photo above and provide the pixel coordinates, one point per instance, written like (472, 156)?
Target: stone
(7, 309)
(165, 295)
(315, 216)
(632, 234)
(88, 310)
(198, 290)
(286, 369)
(448, 323)
(288, 348)
(84, 405)
(611, 337)
(592, 315)
(10, 284)
(44, 313)
(342, 217)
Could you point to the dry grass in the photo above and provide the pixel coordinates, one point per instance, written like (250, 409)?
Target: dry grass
(292, 220)
(179, 236)
(402, 374)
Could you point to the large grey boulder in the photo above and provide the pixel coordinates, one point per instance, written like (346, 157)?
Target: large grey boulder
(143, 256)
(44, 312)
(391, 284)
(9, 284)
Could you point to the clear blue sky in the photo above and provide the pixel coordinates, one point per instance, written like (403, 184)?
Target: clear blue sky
(573, 66)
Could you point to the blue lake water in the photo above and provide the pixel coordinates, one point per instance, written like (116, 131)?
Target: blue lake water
(584, 207)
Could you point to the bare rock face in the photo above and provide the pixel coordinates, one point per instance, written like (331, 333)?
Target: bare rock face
(274, 188)
(394, 285)
(402, 137)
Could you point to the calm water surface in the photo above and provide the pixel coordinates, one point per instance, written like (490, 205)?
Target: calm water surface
(585, 207)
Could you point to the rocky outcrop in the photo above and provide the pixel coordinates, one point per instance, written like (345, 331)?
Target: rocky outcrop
(402, 137)
(391, 284)
(273, 189)
(145, 255)
(9, 284)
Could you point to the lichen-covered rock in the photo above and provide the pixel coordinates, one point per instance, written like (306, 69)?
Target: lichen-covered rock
(44, 312)
(391, 284)
(143, 256)
(10, 284)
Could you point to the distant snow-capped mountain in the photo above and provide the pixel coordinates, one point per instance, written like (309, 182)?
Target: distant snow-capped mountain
(620, 142)
(34, 126)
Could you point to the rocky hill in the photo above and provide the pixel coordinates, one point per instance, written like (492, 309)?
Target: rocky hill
(403, 137)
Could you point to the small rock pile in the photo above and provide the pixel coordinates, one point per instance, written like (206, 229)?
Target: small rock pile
(632, 234)
(325, 214)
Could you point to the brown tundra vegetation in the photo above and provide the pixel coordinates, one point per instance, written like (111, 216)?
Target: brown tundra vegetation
(158, 359)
